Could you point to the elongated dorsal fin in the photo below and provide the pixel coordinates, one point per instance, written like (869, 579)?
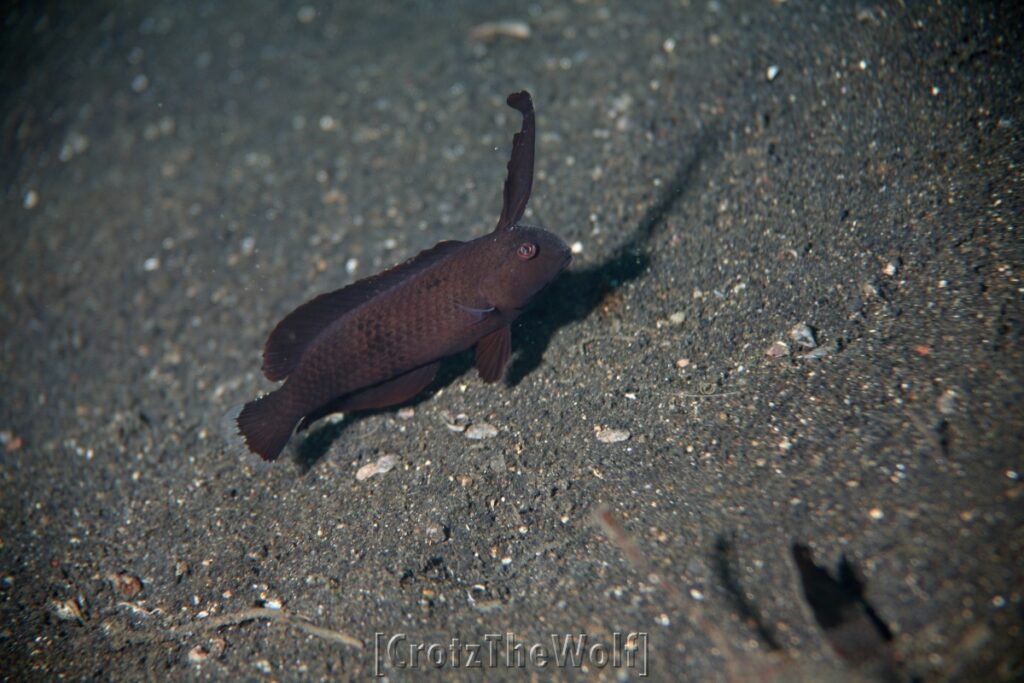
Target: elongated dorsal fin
(294, 334)
(519, 180)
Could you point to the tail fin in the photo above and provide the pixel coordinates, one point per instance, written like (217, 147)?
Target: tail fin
(266, 426)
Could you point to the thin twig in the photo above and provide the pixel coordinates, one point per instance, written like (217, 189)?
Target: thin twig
(619, 537)
(930, 433)
(740, 667)
(712, 394)
(278, 615)
(590, 340)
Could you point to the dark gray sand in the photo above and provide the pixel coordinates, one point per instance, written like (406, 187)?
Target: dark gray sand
(178, 176)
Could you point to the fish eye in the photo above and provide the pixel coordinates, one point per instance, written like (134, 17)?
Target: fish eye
(526, 251)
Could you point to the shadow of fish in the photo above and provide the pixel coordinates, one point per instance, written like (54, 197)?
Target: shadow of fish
(379, 341)
(856, 633)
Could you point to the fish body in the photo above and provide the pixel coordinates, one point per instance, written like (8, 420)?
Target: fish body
(378, 342)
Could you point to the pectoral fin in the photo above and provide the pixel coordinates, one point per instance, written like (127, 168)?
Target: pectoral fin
(382, 395)
(493, 352)
(477, 314)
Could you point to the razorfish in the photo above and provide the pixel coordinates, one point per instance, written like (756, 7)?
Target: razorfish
(379, 341)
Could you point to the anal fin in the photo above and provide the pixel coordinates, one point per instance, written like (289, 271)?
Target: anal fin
(493, 352)
(395, 390)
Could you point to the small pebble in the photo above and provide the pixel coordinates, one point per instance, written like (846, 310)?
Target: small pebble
(383, 465)
(198, 655)
(803, 335)
(180, 569)
(31, 199)
(263, 666)
(820, 352)
(682, 363)
(456, 423)
(128, 585)
(876, 513)
(772, 72)
(217, 646)
(509, 28)
(75, 144)
(351, 266)
(777, 350)
(608, 435)
(306, 14)
(946, 403)
(436, 533)
(328, 123)
(67, 610)
(669, 45)
(11, 441)
(406, 413)
(890, 269)
(576, 247)
(481, 430)
(166, 124)
(677, 318)
(140, 83)
(151, 264)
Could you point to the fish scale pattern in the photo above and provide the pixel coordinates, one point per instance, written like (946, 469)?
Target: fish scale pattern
(406, 327)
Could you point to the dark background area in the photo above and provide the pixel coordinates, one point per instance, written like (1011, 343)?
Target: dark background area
(178, 176)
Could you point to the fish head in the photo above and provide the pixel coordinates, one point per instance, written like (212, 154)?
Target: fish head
(523, 261)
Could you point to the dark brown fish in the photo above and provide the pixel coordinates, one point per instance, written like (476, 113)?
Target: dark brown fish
(379, 341)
